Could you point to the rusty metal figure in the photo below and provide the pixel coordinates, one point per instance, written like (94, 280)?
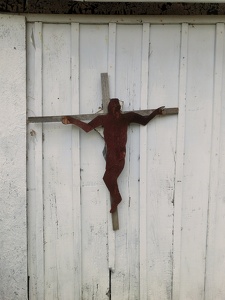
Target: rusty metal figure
(115, 124)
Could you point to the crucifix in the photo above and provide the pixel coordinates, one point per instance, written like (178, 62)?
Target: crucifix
(115, 124)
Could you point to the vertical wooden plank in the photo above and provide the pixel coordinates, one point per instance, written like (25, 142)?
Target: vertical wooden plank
(57, 171)
(111, 73)
(35, 199)
(161, 132)
(179, 163)
(214, 285)
(31, 142)
(125, 279)
(92, 86)
(38, 163)
(215, 267)
(112, 60)
(93, 62)
(75, 98)
(30, 165)
(143, 166)
(105, 91)
(198, 125)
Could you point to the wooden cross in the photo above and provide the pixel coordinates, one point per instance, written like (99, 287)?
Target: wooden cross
(88, 117)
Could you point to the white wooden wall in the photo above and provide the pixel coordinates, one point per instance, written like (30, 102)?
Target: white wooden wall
(170, 244)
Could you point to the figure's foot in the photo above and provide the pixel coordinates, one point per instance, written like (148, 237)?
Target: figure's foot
(114, 206)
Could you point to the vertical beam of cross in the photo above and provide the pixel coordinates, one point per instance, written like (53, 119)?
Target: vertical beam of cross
(105, 102)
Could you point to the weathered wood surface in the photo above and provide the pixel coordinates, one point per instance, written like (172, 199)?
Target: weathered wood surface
(88, 117)
(143, 165)
(161, 139)
(178, 188)
(215, 265)
(170, 244)
(35, 183)
(196, 172)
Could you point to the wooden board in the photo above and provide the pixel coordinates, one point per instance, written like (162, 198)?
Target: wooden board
(88, 117)
(197, 160)
(127, 69)
(216, 213)
(161, 152)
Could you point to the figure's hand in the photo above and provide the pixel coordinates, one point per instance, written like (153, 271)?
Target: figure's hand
(66, 120)
(160, 110)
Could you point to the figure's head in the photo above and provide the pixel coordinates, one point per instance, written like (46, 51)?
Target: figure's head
(114, 105)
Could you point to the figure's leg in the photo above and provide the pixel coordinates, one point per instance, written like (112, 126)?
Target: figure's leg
(112, 185)
(110, 178)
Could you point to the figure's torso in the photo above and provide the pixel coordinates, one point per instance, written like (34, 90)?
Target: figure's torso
(115, 134)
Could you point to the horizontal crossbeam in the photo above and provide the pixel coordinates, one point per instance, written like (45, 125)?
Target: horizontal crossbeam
(87, 117)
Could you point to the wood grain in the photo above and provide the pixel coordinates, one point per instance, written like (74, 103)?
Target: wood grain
(88, 117)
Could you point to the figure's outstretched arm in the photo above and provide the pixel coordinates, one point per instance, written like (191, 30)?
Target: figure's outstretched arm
(96, 122)
(143, 120)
